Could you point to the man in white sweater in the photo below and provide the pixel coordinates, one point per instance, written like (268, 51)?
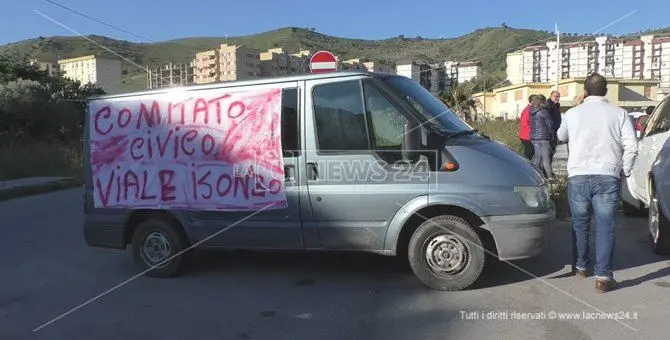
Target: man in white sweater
(602, 147)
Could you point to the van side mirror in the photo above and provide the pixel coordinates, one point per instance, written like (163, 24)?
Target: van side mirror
(411, 142)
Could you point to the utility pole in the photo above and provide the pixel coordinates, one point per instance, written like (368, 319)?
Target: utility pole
(558, 55)
(484, 76)
(149, 83)
(171, 71)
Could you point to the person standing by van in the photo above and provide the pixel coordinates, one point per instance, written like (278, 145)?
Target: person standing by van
(603, 147)
(524, 130)
(541, 135)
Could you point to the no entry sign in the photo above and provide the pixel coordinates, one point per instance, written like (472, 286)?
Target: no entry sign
(322, 62)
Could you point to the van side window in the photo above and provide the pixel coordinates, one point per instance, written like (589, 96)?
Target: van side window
(340, 117)
(387, 121)
(290, 128)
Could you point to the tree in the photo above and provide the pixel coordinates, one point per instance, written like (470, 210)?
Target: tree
(485, 83)
(12, 69)
(34, 104)
(459, 99)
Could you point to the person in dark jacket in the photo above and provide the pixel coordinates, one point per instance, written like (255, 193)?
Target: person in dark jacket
(554, 107)
(542, 132)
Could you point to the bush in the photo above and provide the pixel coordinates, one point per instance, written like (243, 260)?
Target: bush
(504, 131)
(28, 110)
(41, 121)
(32, 158)
(559, 194)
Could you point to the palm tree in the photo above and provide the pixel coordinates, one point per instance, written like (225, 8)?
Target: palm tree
(459, 99)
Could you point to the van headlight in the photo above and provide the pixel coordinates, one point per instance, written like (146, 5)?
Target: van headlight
(533, 196)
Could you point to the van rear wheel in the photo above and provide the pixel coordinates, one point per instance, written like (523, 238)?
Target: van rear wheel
(157, 247)
(446, 253)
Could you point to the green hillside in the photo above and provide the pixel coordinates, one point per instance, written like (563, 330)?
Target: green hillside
(488, 45)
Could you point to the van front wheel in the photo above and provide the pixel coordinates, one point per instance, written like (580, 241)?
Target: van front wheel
(446, 253)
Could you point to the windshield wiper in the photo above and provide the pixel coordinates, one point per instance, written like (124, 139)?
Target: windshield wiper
(462, 133)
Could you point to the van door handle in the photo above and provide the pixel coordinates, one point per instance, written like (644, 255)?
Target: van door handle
(289, 172)
(312, 171)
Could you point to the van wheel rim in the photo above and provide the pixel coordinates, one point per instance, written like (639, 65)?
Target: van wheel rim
(653, 218)
(446, 254)
(156, 248)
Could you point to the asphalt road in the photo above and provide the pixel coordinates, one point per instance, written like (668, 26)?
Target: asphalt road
(46, 270)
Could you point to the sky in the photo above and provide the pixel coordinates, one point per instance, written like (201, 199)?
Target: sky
(160, 20)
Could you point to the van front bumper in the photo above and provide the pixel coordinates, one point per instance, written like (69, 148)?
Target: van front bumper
(520, 236)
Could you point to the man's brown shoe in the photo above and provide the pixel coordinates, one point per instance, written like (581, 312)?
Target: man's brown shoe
(580, 273)
(603, 286)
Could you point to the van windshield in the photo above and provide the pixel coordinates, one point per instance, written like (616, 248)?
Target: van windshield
(430, 107)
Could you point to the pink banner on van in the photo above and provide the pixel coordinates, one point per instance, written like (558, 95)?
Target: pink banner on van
(205, 150)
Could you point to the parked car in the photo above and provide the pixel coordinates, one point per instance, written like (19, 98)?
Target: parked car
(372, 163)
(659, 201)
(645, 186)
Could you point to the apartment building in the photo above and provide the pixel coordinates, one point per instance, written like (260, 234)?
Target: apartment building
(303, 53)
(370, 66)
(51, 68)
(206, 67)
(515, 67)
(645, 57)
(441, 76)
(171, 75)
(574, 59)
(102, 71)
(659, 67)
(438, 79)
(351, 64)
(419, 72)
(535, 64)
(276, 61)
(376, 66)
(462, 71)
(610, 57)
(227, 63)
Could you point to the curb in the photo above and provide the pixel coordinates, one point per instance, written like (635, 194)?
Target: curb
(31, 190)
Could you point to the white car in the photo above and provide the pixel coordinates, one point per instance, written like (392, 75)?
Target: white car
(635, 190)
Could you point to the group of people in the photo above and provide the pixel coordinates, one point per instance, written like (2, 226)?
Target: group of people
(540, 121)
(602, 147)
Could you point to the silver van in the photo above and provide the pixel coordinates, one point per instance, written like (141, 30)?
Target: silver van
(373, 163)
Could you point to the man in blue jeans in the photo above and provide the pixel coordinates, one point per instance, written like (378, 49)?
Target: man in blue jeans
(603, 147)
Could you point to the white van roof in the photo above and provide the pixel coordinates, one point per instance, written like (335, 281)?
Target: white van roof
(245, 82)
